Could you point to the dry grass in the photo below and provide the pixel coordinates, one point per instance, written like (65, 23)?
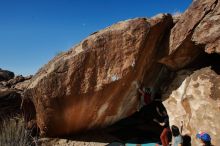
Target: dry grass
(13, 132)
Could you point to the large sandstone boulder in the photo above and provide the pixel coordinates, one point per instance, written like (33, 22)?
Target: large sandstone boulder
(93, 84)
(194, 98)
(197, 29)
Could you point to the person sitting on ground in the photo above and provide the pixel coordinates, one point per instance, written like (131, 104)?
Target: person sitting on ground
(166, 128)
(178, 140)
(204, 138)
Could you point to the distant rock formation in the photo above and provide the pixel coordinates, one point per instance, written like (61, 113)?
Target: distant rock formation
(93, 85)
(11, 89)
(6, 75)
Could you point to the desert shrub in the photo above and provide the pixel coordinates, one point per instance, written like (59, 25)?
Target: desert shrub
(13, 132)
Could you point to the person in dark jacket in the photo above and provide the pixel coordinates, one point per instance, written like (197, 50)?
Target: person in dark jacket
(166, 128)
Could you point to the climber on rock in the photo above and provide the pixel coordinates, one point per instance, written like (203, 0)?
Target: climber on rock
(145, 96)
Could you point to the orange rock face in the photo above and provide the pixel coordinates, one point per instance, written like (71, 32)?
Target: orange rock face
(208, 30)
(197, 29)
(93, 84)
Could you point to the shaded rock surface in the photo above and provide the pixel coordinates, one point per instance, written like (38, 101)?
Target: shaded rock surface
(94, 84)
(137, 128)
(10, 101)
(11, 90)
(194, 98)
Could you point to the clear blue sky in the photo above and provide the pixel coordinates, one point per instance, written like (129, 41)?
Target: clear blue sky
(33, 31)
